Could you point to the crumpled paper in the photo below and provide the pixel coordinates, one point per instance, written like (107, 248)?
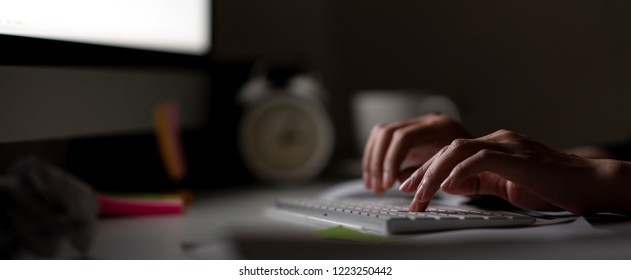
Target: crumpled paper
(42, 206)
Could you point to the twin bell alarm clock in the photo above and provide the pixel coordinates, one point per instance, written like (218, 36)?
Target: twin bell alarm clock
(286, 133)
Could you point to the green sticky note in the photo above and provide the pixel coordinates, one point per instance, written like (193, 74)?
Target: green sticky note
(340, 232)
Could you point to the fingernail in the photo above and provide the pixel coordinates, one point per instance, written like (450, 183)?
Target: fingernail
(366, 179)
(447, 183)
(405, 185)
(386, 180)
(376, 182)
(413, 206)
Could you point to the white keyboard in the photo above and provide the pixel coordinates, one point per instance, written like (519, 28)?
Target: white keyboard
(391, 215)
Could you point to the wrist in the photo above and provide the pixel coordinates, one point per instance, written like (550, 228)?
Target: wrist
(615, 190)
(593, 152)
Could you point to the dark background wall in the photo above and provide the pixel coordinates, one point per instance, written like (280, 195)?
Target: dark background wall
(559, 71)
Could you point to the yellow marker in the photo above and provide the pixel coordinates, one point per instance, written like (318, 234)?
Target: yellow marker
(166, 121)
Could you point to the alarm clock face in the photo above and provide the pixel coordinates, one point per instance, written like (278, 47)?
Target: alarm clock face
(286, 138)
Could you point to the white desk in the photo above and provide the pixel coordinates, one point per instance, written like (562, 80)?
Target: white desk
(227, 225)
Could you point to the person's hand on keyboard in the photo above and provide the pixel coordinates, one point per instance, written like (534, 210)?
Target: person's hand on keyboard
(506, 164)
(416, 140)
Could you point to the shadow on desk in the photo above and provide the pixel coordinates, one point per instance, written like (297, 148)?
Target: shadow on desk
(610, 247)
(579, 239)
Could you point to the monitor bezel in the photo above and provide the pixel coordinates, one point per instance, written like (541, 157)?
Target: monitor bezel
(17, 50)
(36, 51)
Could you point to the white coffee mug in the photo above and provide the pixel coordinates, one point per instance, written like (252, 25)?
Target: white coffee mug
(371, 107)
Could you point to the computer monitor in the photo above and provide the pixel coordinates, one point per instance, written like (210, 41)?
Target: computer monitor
(163, 25)
(71, 68)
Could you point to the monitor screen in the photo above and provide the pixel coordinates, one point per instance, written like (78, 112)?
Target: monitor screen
(81, 81)
(178, 26)
(77, 68)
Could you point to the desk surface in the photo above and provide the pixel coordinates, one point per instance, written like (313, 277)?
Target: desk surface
(232, 225)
